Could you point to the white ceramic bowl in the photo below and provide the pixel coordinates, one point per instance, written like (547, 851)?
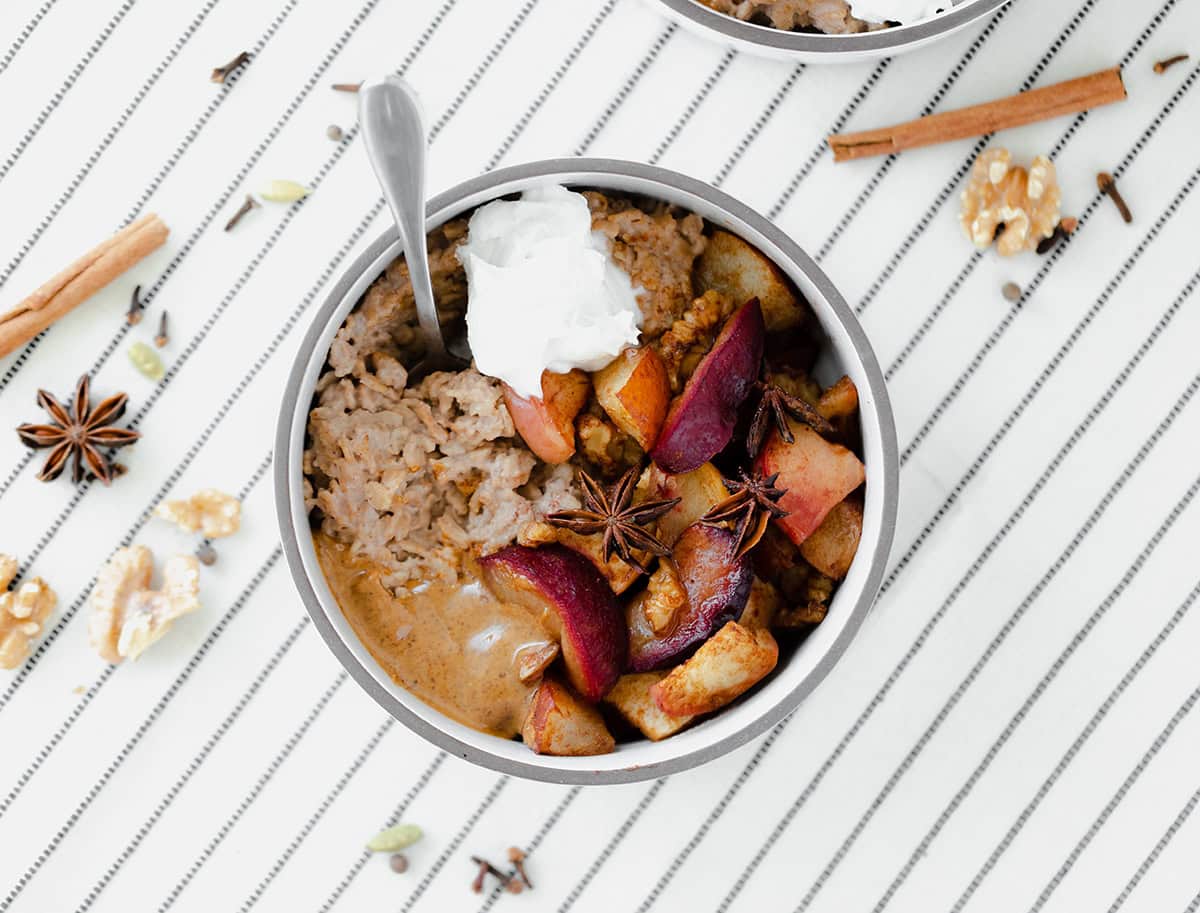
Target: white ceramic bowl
(846, 352)
(764, 41)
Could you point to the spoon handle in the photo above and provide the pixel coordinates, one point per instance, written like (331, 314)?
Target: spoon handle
(390, 117)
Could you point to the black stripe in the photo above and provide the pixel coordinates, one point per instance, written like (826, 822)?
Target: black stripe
(1133, 776)
(960, 68)
(289, 746)
(157, 712)
(1065, 761)
(1163, 842)
(1002, 327)
(30, 28)
(547, 826)
(693, 106)
(630, 84)
(129, 111)
(58, 96)
(1032, 393)
(916, 646)
(763, 119)
(394, 818)
(552, 84)
(600, 860)
(236, 183)
(452, 847)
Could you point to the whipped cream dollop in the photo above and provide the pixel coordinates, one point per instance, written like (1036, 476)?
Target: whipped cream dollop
(904, 11)
(543, 293)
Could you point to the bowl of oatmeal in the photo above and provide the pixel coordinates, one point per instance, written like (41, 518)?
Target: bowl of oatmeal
(647, 519)
(828, 31)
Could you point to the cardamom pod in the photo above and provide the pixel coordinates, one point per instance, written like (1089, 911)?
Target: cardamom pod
(394, 838)
(284, 192)
(146, 360)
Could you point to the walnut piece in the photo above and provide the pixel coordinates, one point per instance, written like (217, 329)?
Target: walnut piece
(23, 613)
(1022, 205)
(211, 512)
(691, 336)
(665, 596)
(128, 616)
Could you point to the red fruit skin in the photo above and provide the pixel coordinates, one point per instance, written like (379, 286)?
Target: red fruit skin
(574, 601)
(717, 585)
(702, 418)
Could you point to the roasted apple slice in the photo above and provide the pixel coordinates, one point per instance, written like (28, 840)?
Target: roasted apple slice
(571, 598)
(739, 270)
(631, 697)
(702, 418)
(761, 606)
(547, 424)
(816, 474)
(717, 585)
(698, 491)
(559, 723)
(831, 547)
(635, 392)
(730, 664)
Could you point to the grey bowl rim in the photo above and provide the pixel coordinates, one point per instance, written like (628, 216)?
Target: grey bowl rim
(891, 40)
(570, 168)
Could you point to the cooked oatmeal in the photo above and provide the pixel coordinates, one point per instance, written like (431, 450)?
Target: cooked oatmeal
(833, 17)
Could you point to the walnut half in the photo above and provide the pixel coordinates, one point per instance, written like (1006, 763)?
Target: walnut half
(23, 613)
(211, 512)
(1009, 205)
(128, 616)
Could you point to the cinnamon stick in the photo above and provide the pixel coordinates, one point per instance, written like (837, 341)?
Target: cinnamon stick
(1069, 97)
(79, 281)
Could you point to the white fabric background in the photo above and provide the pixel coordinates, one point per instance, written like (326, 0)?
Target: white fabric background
(1011, 731)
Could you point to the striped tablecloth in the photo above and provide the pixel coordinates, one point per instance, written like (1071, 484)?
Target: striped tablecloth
(1013, 729)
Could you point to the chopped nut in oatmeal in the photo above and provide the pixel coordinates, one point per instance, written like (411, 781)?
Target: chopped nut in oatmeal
(1009, 205)
(832, 17)
(23, 613)
(210, 512)
(127, 615)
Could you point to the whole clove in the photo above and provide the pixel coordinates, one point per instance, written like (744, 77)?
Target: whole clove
(1108, 185)
(347, 86)
(1061, 232)
(517, 857)
(249, 204)
(1163, 65)
(161, 338)
(486, 869)
(133, 316)
(220, 74)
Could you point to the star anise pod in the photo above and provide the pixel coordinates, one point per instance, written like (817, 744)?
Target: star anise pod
(614, 514)
(752, 504)
(80, 434)
(776, 403)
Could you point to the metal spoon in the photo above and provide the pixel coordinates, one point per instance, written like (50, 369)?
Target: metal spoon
(390, 117)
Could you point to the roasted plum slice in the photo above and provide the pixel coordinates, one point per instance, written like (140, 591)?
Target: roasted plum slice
(717, 585)
(702, 418)
(570, 597)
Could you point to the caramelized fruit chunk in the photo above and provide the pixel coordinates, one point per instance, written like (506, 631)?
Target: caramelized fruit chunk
(717, 586)
(816, 474)
(831, 547)
(631, 697)
(559, 723)
(702, 418)
(698, 491)
(741, 271)
(764, 601)
(635, 392)
(572, 600)
(547, 424)
(730, 664)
